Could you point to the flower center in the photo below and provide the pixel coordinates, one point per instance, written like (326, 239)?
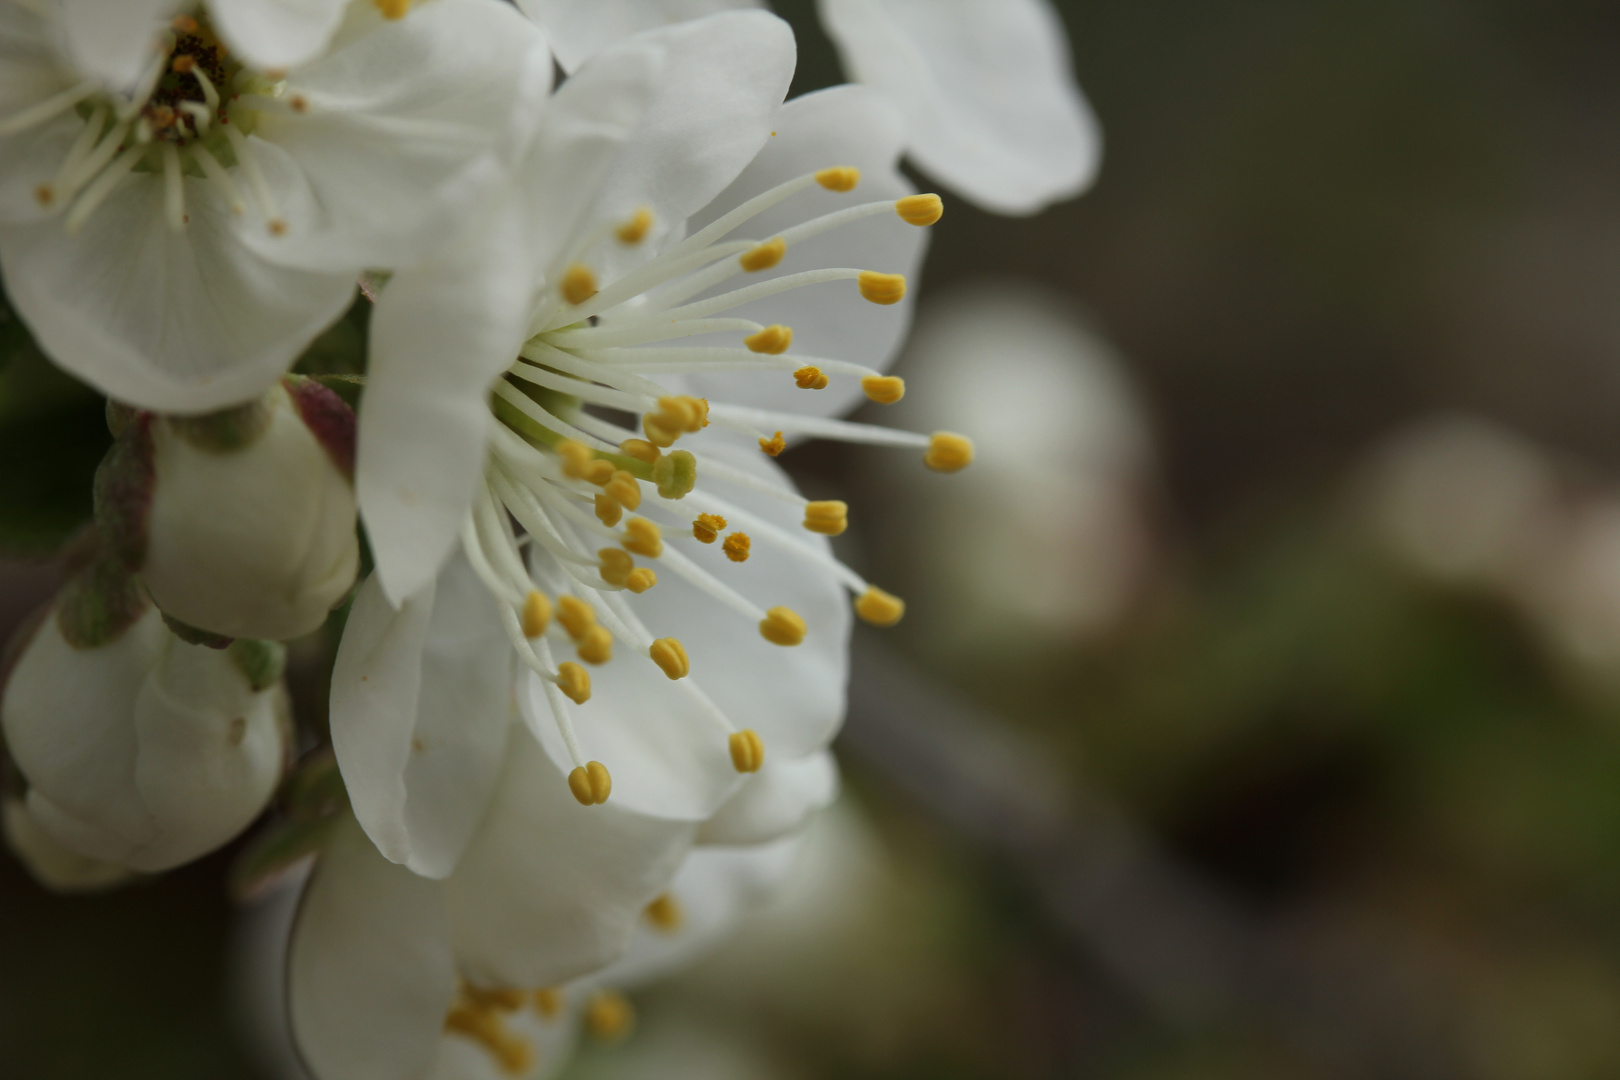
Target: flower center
(188, 115)
(592, 495)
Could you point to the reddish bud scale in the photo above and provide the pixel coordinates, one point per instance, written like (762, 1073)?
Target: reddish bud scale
(328, 418)
(123, 491)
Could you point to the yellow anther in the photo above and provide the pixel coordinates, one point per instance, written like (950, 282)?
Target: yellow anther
(640, 449)
(485, 1027)
(810, 377)
(920, 209)
(747, 751)
(736, 547)
(772, 341)
(590, 783)
(665, 913)
(636, 229)
(575, 615)
(773, 445)
(948, 452)
(578, 284)
(882, 288)
(183, 64)
(670, 655)
(574, 681)
(839, 178)
(707, 527)
(597, 472)
(643, 537)
(884, 389)
(641, 579)
(615, 566)
(764, 256)
(829, 517)
(609, 1016)
(184, 23)
(685, 412)
(879, 608)
(576, 457)
(596, 646)
(393, 9)
(548, 1002)
(536, 614)
(660, 430)
(624, 490)
(782, 626)
(608, 510)
(675, 475)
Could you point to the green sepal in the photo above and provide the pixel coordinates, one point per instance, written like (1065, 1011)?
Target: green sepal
(195, 635)
(227, 430)
(98, 604)
(261, 662)
(123, 487)
(276, 849)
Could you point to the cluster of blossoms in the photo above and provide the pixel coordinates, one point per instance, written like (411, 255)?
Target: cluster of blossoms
(582, 702)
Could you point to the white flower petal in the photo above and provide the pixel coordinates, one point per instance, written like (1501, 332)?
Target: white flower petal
(210, 753)
(276, 34)
(678, 765)
(421, 708)
(775, 801)
(578, 29)
(69, 725)
(370, 971)
(399, 134)
(578, 139)
(721, 82)
(550, 889)
(113, 41)
(30, 74)
(844, 125)
(440, 335)
(175, 320)
(991, 105)
(714, 889)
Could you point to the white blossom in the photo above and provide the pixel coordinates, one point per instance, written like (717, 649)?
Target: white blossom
(139, 749)
(985, 87)
(187, 193)
(708, 656)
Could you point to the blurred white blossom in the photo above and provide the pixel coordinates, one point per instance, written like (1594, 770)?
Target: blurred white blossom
(1050, 532)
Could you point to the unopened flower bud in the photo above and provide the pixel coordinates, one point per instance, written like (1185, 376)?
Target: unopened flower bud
(139, 750)
(240, 523)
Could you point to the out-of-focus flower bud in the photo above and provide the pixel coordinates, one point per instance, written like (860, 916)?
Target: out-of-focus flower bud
(137, 748)
(240, 523)
(52, 865)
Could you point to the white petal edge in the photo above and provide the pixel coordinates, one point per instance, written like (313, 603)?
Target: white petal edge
(276, 34)
(420, 716)
(991, 104)
(369, 968)
(173, 320)
(579, 29)
(550, 890)
(776, 801)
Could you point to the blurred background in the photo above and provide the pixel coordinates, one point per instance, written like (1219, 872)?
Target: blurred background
(1257, 713)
